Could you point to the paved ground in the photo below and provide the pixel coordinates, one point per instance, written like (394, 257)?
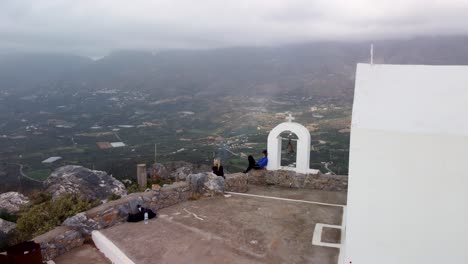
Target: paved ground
(84, 254)
(238, 229)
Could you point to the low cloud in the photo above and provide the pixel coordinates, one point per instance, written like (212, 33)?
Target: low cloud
(95, 27)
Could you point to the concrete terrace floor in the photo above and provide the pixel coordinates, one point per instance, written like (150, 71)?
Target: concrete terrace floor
(84, 254)
(237, 229)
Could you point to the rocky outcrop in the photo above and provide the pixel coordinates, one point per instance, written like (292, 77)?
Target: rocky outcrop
(236, 182)
(214, 185)
(12, 202)
(6, 227)
(197, 181)
(206, 183)
(181, 173)
(82, 223)
(176, 170)
(159, 171)
(88, 183)
(7, 231)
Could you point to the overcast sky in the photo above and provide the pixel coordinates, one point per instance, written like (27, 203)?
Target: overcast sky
(95, 27)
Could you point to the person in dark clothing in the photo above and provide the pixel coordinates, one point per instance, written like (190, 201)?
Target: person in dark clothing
(257, 165)
(217, 169)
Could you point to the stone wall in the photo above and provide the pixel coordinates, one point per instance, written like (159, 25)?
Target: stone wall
(58, 241)
(73, 232)
(236, 182)
(209, 184)
(292, 179)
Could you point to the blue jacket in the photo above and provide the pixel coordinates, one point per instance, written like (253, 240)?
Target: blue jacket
(262, 162)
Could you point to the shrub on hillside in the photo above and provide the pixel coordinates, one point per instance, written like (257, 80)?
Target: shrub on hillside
(133, 188)
(43, 217)
(113, 197)
(39, 197)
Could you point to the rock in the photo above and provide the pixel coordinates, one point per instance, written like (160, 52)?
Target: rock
(257, 177)
(181, 173)
(214, 185)
(158, 172)
(206, 182)
(127, 181)
(6, 227)
(176, 170)
(85, 182)
(195, 168)
(236, 182)
(7, 231)
(197, 181)
(11, 202)
(81, 223)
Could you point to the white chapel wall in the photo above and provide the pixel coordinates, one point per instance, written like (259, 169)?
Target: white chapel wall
(408, 175)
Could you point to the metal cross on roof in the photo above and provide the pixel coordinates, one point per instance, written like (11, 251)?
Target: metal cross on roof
(290, 118)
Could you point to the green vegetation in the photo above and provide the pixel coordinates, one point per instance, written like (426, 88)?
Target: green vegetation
(44, 216)
(133, 188)
(39, 197)
(113, 197)
(40, 175)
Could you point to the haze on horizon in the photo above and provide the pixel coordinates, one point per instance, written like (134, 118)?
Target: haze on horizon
(96, 27)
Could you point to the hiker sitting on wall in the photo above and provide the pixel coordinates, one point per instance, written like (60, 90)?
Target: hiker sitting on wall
(257, 165)
(217, 169)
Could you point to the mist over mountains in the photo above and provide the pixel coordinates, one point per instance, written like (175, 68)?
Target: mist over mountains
(310, 69)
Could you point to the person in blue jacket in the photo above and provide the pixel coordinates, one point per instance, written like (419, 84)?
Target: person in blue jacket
(259, 164)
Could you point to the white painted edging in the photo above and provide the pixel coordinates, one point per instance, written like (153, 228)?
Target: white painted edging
(317, 237)
(285, 199)
(109, 249)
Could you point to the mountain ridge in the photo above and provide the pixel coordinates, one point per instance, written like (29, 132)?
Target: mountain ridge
(310, 69)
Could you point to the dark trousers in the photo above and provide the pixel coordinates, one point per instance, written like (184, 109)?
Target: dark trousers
(252, 165)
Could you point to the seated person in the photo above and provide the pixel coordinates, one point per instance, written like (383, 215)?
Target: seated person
(257, 165)
(217, 169)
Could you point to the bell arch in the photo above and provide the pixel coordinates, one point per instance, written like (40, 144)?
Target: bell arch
(302, 151)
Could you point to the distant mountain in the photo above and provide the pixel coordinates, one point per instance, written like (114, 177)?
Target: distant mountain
(25, 72)
(310, 69)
